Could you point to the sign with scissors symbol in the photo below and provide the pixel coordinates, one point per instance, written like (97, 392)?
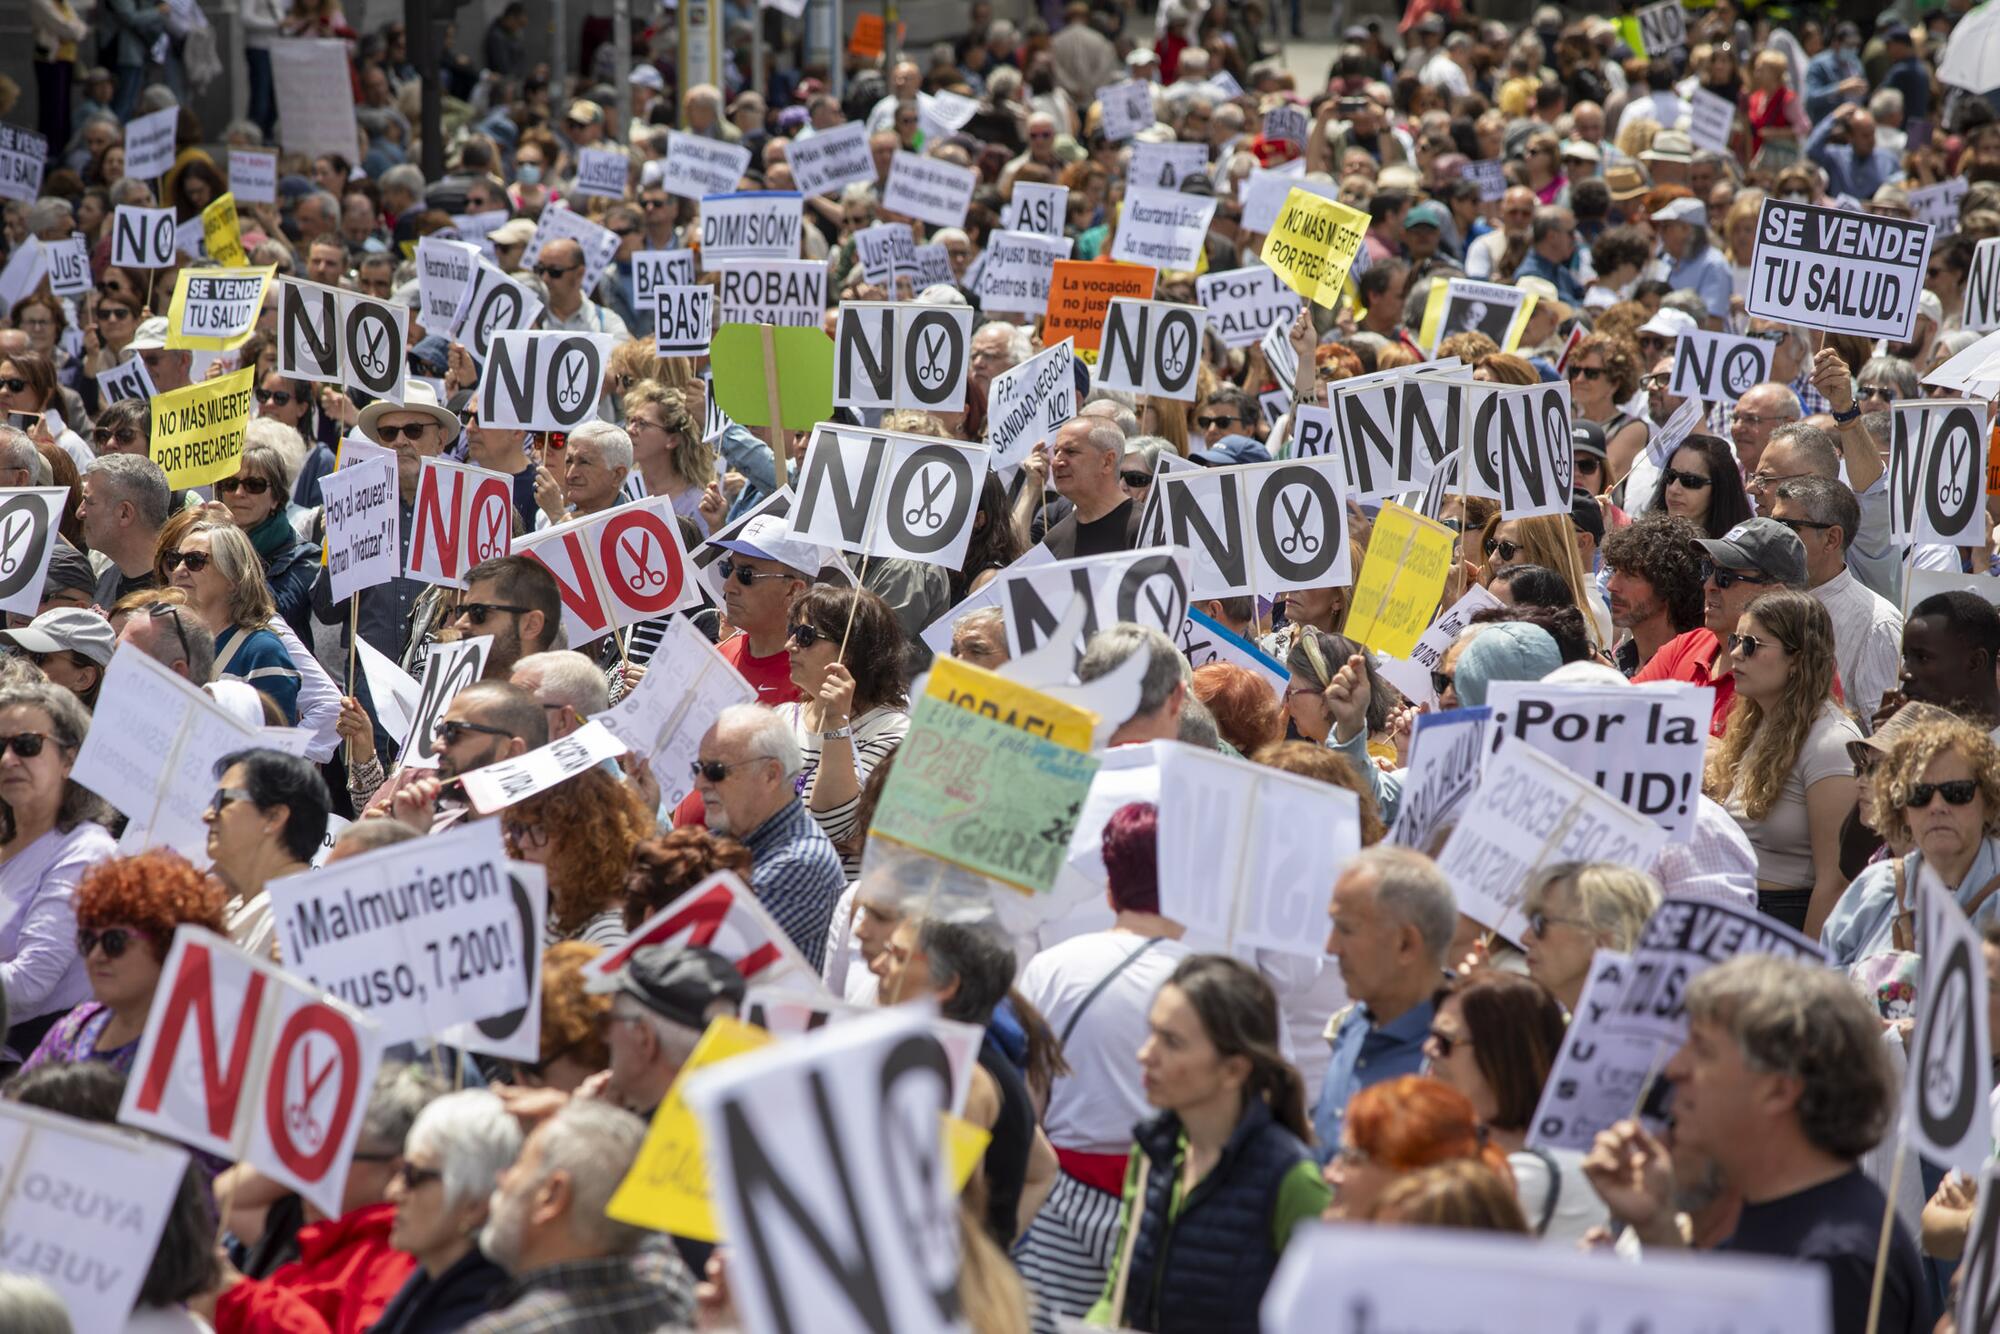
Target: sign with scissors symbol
(1298, 540)
(642, 575)
(27, 540)
(925, 511)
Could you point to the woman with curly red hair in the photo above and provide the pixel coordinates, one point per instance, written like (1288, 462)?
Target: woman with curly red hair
(581, 832)
(1245, 705)
(127, 910)
(1396, 1127)
(667, 867)
(573, 1023)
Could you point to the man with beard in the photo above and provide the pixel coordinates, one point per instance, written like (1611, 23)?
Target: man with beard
(485, 723)
(574, 1268)
(1654, 585)
(515, 599)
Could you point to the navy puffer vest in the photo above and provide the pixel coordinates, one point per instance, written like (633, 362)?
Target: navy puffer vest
(1205, 1273)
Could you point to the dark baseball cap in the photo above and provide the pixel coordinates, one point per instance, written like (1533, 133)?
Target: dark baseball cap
(677, 982)
(1586, 514)
(68, 569)
(1764, 545)
(1587, 438)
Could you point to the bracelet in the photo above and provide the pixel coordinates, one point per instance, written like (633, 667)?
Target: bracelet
(1853, 411)
(844, 730)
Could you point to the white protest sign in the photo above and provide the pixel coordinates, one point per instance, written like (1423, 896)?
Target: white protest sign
(394, 691)
(789, 293)
(1446, 751)
(558, 223)
(654, 269)
(1349, 1279)
(362, 527)
(253, 176)
(686, 687)
(605, 173)
(887, 251)
(1518, 441)
(142, 238)
(445, 271)
(831, 160)
(246, 1062)
(1163, 228)
(797, 1192)
(1684, 938)
(1711, 118)
(697, 167)
(1243, 303)
(149, 144)
(537, 381)
(1287, 123)
(326, 334)
(1937, 470)
(1203, 640)
(1939, 204)
(937, 635)
(1150, 347)
(1950, 1071)
(1231, 863)
(933, 265)
(722, 914)
(1128, 109)
(884, 493)
(1662, 27)
(416, 936)
(515, 1035)
(315, 88)
(944, 113)
(496, 303)
(24, 272)
(1146, 587)
(1827, 268)
(1598, 1078)
(707, 558)
(1529, 812)
(615, 568)
(1393, 429)
(683, 320)
(128, 379)
(1664, 439)
(1025, 405)
(1978, 1305)
(23, 157)
(1263, 194)
(497, 786)
(29, 518)
(451, 666)
(1255, 527)
(1037, 208)
(84, 1208)
(1017, 269)
(1718, 368)
(1476, 307)
(1165, 166)
(1644, 745)
(464, 515)
(68, 262)
(1981, 310)
(750, 226)
(478, 228)
(1490, 175)
(190, 239)
(928, 189)
(890, 354)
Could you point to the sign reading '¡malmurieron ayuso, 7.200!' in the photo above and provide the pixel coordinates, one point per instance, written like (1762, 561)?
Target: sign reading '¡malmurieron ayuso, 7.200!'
(1832, 269)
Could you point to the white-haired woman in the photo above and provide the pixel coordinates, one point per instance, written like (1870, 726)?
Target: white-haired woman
(453, 1157)
(219, 569)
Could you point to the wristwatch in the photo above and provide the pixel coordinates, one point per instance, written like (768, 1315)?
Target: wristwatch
(845, 729)
(1853, 411)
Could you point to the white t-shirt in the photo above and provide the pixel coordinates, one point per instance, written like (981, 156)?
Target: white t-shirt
(1578, 1206)
(1093, 1108)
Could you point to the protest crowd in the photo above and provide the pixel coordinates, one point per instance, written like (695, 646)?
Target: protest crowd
(1084, 676)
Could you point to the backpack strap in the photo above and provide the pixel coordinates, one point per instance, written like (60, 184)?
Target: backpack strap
(1548, 1161)
(1104, 982)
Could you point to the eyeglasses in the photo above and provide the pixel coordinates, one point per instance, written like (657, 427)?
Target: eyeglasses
(25, 744)
(282, 397)
(554, 270)
(104, 436)
(1440, 682)
(1761, 479)
(1654, 381)
(1882, 391)
(805, 636)
(1745, 646)
(13, 385)
(1588, 372)
(478, 612)
(416, 1178)
(623, 232)
(173, 617)
(654, 203)
(1726, 579)
(1754, 419)
(1445, 1043)
(715, 770)
(114, 313)
(452, 731)
(114, 940)
(196, 561)
(1693, 481)
(1207, 422)
(411, 431)
(1652, 340)
(524, 835)
(1796, 524)
(251, 486)
(1540, 922)
(1136, 479)
(746, 576)
(1957, 792)
(1508, 550)
(223, 796)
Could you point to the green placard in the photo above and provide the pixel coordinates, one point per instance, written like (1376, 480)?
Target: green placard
(742, 376)
(984, 796)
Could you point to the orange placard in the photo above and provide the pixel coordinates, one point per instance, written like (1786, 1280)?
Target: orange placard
(869, 32)
(1993, 460)
(1081, 291)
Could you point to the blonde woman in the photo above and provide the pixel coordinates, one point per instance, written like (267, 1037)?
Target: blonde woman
(219, 570)
(1548, 540)
(1577, 908)
(667, 451)
(1782, 769)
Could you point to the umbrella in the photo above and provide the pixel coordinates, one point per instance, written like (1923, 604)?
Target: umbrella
(1972, 53)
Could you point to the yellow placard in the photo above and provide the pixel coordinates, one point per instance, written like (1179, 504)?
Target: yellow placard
(1313, 243)
(1427, 332)
(221, 233)
(667, 1188)
(1519, 324)
(1402, 577)
(198, 431)
(1009, 703)
(215, 310)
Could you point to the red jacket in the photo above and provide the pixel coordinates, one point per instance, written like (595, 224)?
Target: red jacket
(345, 1274)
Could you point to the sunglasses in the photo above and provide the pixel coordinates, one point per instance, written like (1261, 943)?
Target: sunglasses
(1797, 524)
(172, 615)
(13, 384)
(411, 431)
(554, 271)
(1440, 682)
(453, 731)
(478, 612)
(1136, 478)
(1693, 481)
(196, 561)
(1206, 423)
(1745, 646)
(223, 796)
(1507, 550)
(623, 232)
(114, 941)
(1446, 1044)
(653, 203)
(251, 486)
(25, 744)
(1958, 792)
(1729, 578)
(805, 636)
(1587, 372)
(1587, 463)
(746, 576)
(104, 436)
(114, 313)
(282, 397)
(1881, 391)
(416, 1178)
(714, 770)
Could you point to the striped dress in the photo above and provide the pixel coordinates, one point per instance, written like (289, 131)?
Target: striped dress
(876, 733)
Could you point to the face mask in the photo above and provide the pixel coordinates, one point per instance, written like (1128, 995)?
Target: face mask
(528, 173)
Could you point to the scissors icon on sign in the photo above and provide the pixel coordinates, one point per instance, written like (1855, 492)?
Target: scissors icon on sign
(645, 576)
(924, 512)
(1300, 539)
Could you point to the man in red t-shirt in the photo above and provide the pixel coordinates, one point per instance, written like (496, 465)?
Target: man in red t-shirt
(1750, 559)
(765, 573)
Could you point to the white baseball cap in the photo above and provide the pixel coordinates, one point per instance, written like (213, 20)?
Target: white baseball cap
(1691, 211)
(1668, 323)
(768, 537)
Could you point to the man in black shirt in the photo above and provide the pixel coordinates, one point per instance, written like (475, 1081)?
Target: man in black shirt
(1785, 1083)
(1084, 467)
